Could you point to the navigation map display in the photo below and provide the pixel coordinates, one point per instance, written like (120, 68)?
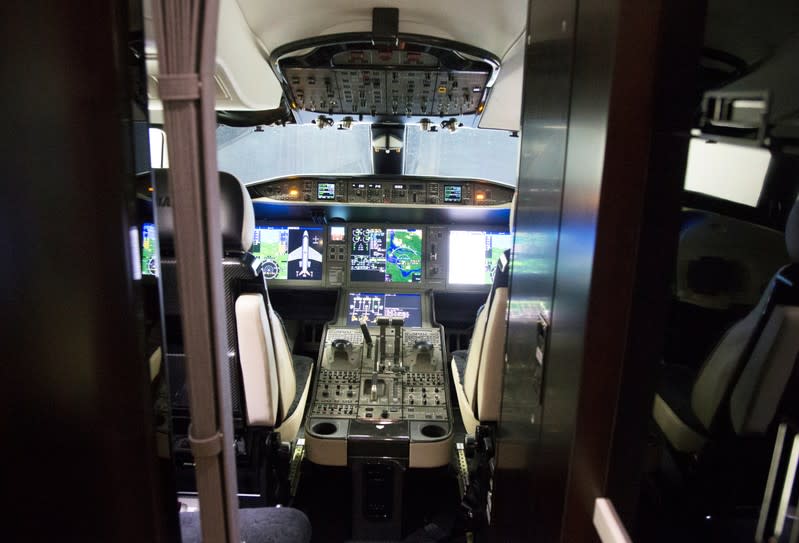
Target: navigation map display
(473, 255)
(290, 252)
(149, 249)
(391, 255)
(373, 305)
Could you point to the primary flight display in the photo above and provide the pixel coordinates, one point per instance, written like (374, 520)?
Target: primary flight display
(364, 254)
(391, 255)
(290, 252)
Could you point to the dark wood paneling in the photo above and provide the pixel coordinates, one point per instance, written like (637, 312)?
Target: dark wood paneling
(79, 462)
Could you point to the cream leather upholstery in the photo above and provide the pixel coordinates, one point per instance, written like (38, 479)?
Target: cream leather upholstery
(478, 381)
(284, 363)
(743, 380)
(488, 396)
(256, 356)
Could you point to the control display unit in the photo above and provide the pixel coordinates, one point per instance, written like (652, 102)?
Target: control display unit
(149, 249)
(391, 255)
(393, 305)
(473, 255)
(290, 252)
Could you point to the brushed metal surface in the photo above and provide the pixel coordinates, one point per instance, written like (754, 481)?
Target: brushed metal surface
(545, 125)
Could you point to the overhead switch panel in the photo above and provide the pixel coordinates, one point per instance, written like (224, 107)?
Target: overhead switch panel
(406, 83)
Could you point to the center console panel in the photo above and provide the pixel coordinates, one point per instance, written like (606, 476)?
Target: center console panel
(382, 390)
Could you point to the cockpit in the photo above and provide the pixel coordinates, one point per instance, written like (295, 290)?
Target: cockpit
(444, 271)
(366, 294)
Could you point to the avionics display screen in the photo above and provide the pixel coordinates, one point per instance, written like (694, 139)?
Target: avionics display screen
(473, 255)
(452, 194)
(326, 191)
(373, 305)
(290, 252)
(337, 233)
(149, 249)
(391, 255)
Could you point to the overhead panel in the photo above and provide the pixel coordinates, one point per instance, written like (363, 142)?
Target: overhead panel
(408, 81)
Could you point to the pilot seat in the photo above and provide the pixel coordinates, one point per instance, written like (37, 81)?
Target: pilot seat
(269, 384)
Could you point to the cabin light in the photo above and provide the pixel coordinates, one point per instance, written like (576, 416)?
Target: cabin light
(479, 196)
(149, 189)
(293, 193)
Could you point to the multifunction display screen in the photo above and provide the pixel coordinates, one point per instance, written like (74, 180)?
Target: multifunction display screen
(149, 249)
(290, 252)
(390, 255)
(452, 194)
(473, 255)
(326, 191)
(373, 305)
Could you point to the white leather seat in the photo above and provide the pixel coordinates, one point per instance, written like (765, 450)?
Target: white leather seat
(269, 385)
(276, 383)
(739, 387)
(478, 372)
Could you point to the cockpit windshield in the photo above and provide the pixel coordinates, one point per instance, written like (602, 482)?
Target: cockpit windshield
(260, 153)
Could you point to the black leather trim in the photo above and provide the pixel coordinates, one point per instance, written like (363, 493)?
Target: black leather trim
(460, 357)
(232, 200)
(302, 369)
(675, 387)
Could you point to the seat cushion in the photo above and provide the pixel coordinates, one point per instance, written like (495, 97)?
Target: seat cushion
(257, 525)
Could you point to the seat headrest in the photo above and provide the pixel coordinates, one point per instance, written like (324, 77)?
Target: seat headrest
(502, 271)
(792, 232)
(236, 219)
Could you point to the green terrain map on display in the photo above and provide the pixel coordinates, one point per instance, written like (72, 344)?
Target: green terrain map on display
(404, 256)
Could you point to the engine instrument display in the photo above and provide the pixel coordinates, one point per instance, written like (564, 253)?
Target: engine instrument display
(392, 305)
(290, 252)
(391, 255)
(473, 255)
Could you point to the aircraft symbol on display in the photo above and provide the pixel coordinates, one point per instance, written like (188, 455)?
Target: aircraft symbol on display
(305, 254)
